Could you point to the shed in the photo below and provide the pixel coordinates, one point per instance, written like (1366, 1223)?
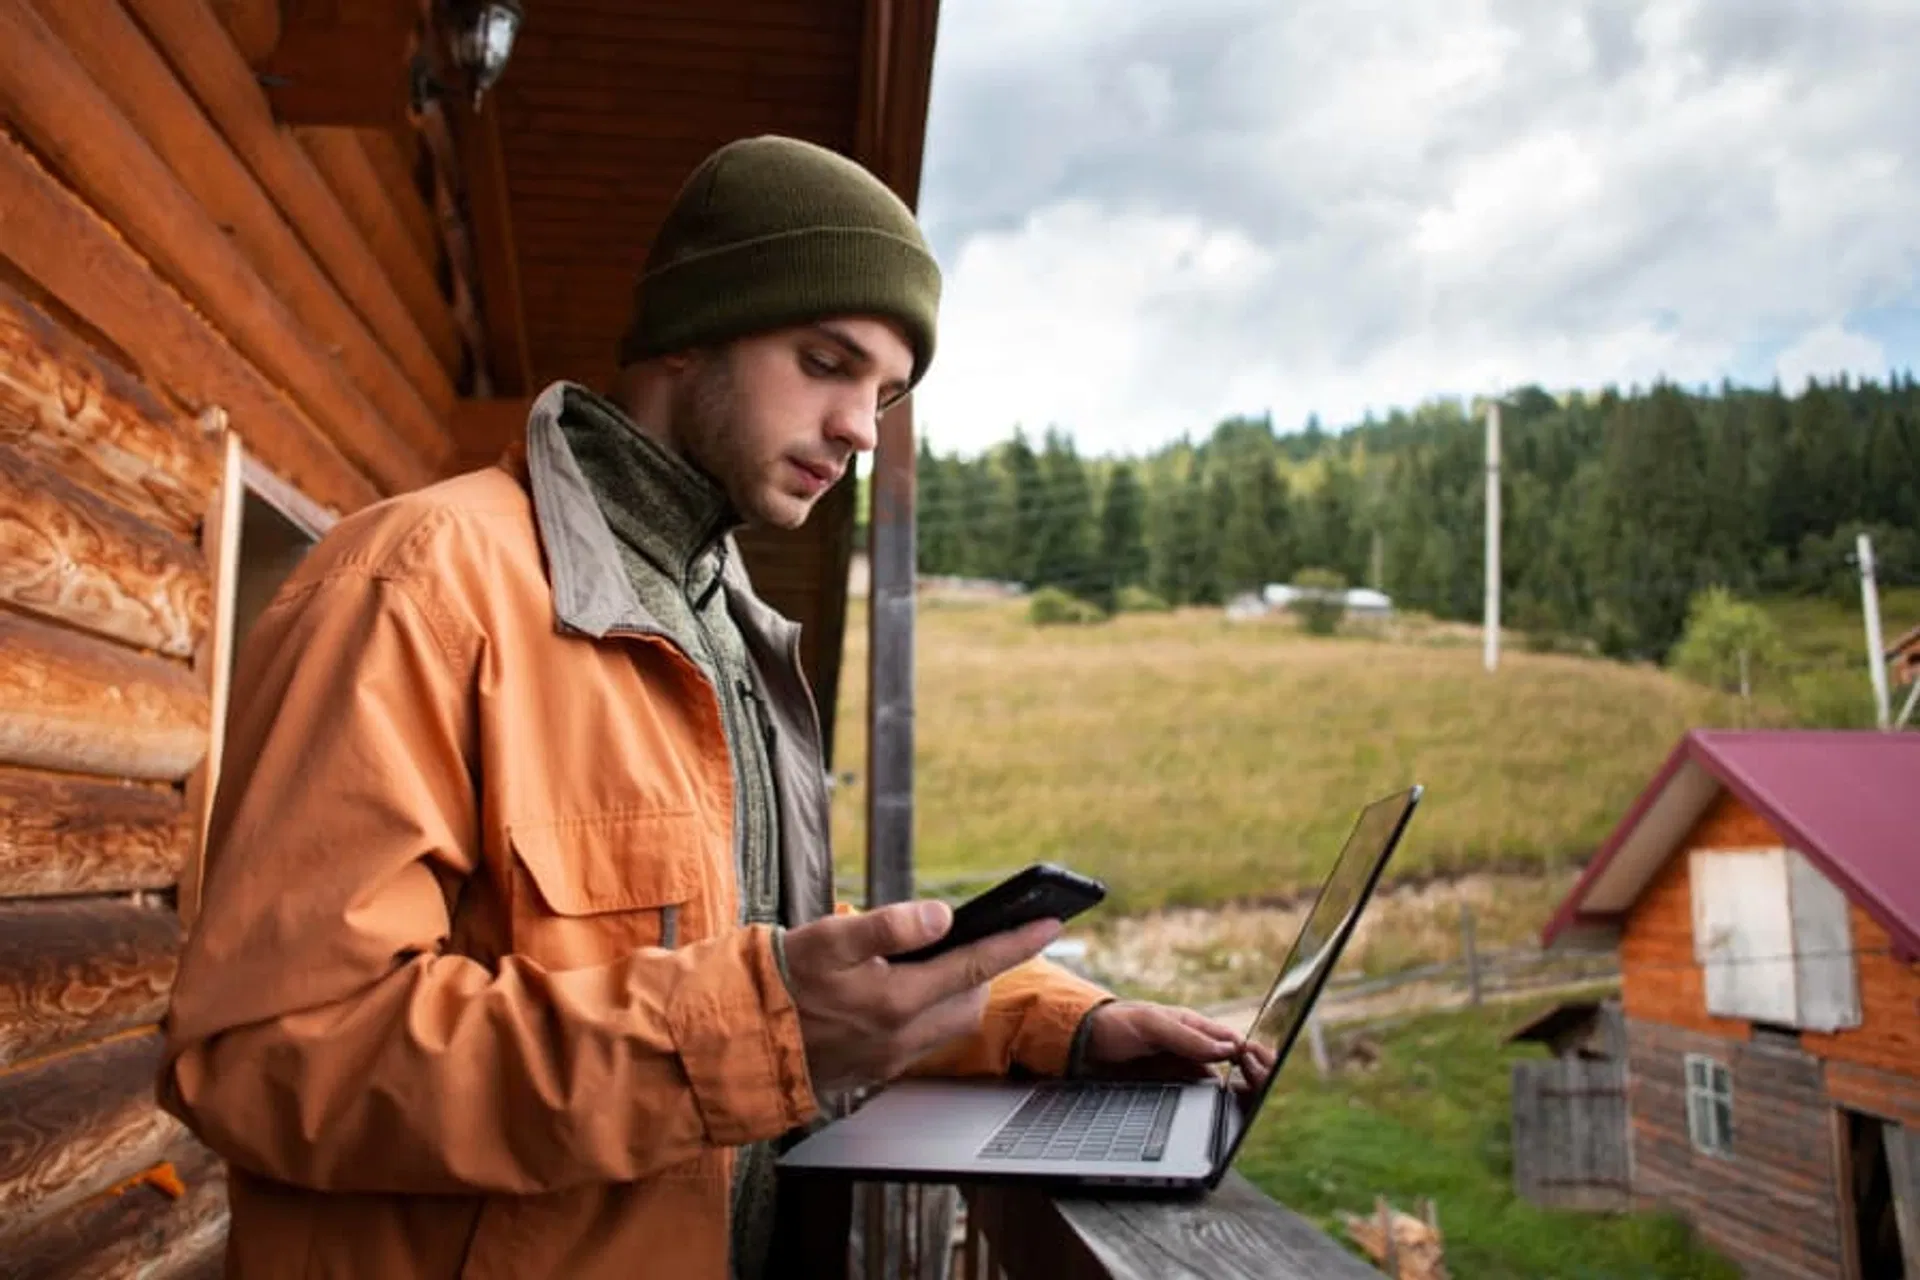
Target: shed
(1591, 1029)
(1764, 892)
(263, 262)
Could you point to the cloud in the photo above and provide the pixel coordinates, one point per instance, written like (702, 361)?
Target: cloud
(1156, 213)
(1826, 353)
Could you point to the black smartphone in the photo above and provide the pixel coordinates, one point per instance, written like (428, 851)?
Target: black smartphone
(1037, 893)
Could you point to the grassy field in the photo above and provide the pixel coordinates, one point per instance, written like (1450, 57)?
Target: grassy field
(1431, 1120)
(1825, 682)
(1189, 760)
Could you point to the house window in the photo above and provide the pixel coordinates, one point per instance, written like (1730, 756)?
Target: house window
(1709, 1105)
(1772, 936)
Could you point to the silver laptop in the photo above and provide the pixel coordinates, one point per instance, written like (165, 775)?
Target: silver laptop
(1111, 1134)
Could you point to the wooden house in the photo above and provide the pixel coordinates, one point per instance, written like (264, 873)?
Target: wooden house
(263, 262)
(1903, 658)
(1764, 892)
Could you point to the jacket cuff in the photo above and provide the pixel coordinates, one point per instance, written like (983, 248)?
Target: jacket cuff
(738, 1035)
(1077, 1050)
(1045, 1041)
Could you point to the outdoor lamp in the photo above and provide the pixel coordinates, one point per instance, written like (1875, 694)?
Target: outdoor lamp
(481, 35)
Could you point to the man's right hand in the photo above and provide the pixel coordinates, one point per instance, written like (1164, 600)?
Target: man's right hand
(864, 1020)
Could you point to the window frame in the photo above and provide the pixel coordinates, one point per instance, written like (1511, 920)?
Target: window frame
(1709, 1092)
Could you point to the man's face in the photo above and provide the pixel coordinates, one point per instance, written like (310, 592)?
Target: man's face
(777, 418)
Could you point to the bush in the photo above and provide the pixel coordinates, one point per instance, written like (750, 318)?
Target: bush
(1729, 643)
(1320, 612)
(1140, 600)
(1052, 607)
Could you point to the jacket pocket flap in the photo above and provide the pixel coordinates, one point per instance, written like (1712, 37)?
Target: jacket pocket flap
(631, 862)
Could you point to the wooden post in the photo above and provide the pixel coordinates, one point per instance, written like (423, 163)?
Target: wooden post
(220, 541)
(1472, 955)
(890, 664)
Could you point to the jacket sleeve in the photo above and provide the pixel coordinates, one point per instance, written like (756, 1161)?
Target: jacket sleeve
(322, 1030)
(1033, 1013)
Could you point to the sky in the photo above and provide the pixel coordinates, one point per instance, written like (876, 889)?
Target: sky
(1152, 214)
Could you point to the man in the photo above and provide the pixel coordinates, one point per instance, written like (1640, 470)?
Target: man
(517, 951)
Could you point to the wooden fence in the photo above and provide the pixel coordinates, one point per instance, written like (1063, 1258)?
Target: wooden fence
(1570, 1133)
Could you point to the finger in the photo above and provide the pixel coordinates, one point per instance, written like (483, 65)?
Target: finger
(945, 1021)
(980, 962)
(1163, 1030)
(1202, 1023)
(888, 930)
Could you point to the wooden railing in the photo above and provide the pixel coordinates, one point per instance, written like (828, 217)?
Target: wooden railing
(1014, 1233)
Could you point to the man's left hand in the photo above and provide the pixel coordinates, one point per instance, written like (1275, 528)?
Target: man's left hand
(1138, 1039)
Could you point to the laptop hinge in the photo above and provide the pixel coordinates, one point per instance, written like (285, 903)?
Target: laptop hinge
(1222, 1105)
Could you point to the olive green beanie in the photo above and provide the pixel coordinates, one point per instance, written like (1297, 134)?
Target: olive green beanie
(769, 232)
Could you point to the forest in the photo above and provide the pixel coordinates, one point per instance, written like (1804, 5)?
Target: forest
(1617, 507)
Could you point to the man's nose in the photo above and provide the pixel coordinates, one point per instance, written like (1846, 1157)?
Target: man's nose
(855, 425)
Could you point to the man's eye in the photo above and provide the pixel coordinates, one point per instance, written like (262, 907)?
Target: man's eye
(818, 364)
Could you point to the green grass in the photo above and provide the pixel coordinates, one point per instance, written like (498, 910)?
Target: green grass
(1188, 760)
(1431, 1120)
(1826, 683)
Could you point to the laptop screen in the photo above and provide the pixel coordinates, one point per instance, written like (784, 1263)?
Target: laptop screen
(1316, 950)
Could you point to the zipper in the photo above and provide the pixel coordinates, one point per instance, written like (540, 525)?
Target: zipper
(764, 719)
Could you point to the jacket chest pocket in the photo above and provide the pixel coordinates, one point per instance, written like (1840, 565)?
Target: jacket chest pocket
(587, 891)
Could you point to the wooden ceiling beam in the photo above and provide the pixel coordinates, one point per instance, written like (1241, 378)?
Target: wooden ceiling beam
(466, 151)
(253, 24)
(342, 62)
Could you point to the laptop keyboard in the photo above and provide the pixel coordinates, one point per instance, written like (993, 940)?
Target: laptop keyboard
(1107, 1122)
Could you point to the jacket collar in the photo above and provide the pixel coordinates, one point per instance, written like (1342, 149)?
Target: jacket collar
(591, 592)
(661, 508)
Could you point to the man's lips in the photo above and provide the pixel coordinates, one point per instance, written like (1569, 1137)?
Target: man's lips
(820, 475)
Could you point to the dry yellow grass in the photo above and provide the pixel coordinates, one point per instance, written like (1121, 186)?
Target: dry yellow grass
(1187, 760)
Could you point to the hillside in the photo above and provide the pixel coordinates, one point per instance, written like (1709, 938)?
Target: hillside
(1825, 681)
(1189, 760)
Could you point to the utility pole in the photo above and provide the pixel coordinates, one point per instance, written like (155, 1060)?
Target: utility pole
(1876, 647)
(1493, 537)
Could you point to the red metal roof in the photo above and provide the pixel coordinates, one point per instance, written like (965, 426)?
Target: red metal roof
(1848, 800)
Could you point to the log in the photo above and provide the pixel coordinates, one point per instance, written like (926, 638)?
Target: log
(50, 98)
(71, 972)
(74, 255)
(74, 1126)
(384, 355)
(135, 1230)
(343, 162)
(76, 558)
(421, 340)
(68, 835)
(71, 408)
(81, 705)
(253, 25)
(388, 155)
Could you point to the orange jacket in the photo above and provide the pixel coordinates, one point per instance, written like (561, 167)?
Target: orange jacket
(466, 995)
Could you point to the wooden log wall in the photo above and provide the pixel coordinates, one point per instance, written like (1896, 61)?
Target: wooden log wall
(177, 270)
(1773, 1203)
